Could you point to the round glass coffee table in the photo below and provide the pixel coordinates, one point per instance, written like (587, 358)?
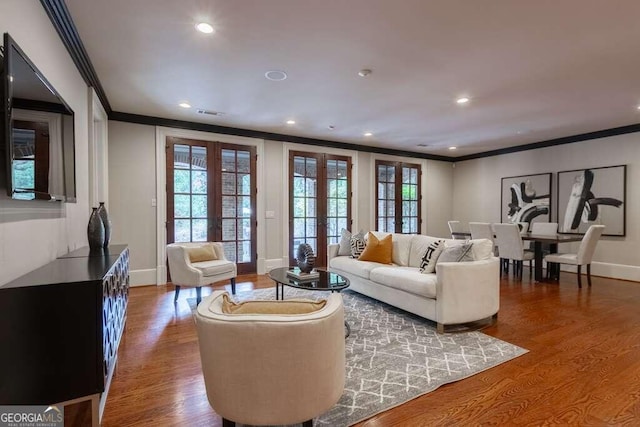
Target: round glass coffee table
(325, 281)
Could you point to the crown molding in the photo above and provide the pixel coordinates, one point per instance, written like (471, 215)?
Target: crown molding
(63, 23)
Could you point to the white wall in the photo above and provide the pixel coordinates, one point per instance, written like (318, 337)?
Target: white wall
(132, 157)
(477, 191)
(34, 233)
(132, 189)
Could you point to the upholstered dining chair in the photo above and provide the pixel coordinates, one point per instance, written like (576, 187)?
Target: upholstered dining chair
(198, 264)
(455, 227)
(545, 229)
(584, 255)
(483, 230)
(510, 247)
(271, 369)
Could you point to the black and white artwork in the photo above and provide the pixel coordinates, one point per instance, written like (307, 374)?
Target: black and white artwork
(592, 196)
(526, 199)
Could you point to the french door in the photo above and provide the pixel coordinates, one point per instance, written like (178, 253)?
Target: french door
(211, 196)
(398, 197)
(319, 201)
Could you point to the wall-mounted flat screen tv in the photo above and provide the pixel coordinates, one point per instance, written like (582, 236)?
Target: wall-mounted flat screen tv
(38, 132)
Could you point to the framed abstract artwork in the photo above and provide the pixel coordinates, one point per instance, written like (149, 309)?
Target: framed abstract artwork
(526, 199)
(592, 196)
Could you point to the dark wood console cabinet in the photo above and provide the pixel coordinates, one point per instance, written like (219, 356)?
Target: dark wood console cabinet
(60, 327)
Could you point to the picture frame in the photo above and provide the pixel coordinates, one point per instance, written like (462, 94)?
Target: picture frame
(526, 198)
(592, 196)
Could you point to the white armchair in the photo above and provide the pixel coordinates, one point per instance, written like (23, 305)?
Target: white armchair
(184, 272)
(271, 369)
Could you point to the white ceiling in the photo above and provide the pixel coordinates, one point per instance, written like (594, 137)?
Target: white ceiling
(534, 70)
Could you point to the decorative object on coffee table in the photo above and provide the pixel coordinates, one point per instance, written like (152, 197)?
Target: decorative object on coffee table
(104, 215)
(95, 231)
(306, 258)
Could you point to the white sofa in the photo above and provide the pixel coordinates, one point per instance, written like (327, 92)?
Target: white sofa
(458, 292)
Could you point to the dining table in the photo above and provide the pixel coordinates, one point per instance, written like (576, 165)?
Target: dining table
(552, 240)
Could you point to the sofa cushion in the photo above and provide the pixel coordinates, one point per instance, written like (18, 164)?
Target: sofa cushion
(377, 250)
(213, 268)
(401, 248)
(408, 279)
(345, 242)
(357, 244)
(430, 257)
(206, 252)
(293, 306)
(419, 245)
(482, 248)
(353, 266)
(456, 253)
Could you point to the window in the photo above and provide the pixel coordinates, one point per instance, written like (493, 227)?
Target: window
(398, 197)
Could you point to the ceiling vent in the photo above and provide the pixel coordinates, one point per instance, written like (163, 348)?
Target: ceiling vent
(209, 112)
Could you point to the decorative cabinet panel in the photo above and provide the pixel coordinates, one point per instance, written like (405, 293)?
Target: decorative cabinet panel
(60, 327)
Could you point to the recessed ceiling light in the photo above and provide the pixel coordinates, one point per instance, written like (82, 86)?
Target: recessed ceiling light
(205, 27)
(331, 127)
(453, 148)
(275, 75)
(368, 134)
(462, 100)
(638, 107)
(185, 105)
(291, 122)
(365, 72)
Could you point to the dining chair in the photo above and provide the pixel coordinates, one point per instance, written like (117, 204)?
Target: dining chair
(483, 230)
(455, 227)
(546, 229)
(583, 256)
(510, 247)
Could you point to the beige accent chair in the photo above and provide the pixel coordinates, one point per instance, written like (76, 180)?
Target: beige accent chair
(584, 255)
(510, 247)
(271, 369)
(197, 274)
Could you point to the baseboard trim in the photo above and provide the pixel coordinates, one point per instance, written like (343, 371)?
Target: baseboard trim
(142, 277)
(612, 271)
(270, 264)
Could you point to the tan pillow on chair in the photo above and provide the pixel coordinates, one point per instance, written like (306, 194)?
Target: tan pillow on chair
(202, 253)
(271, 307)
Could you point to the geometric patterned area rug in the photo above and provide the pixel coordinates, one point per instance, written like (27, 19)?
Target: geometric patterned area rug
(393, 356)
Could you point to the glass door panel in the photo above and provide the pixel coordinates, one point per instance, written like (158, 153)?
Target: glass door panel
(338, 196)
(320, 201)
(398, 197)
(410, 200)
(190, 191)
(304, 212)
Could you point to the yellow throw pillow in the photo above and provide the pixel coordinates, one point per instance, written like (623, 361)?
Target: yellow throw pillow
(378, 250)
(271, 307)
(202, 253)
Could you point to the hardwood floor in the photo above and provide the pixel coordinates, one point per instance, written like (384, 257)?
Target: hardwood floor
(583, 365)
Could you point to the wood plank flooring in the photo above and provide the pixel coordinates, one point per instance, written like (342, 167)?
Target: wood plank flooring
(583, 365)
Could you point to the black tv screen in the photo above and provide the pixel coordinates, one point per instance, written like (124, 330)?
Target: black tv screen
(38, 132)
